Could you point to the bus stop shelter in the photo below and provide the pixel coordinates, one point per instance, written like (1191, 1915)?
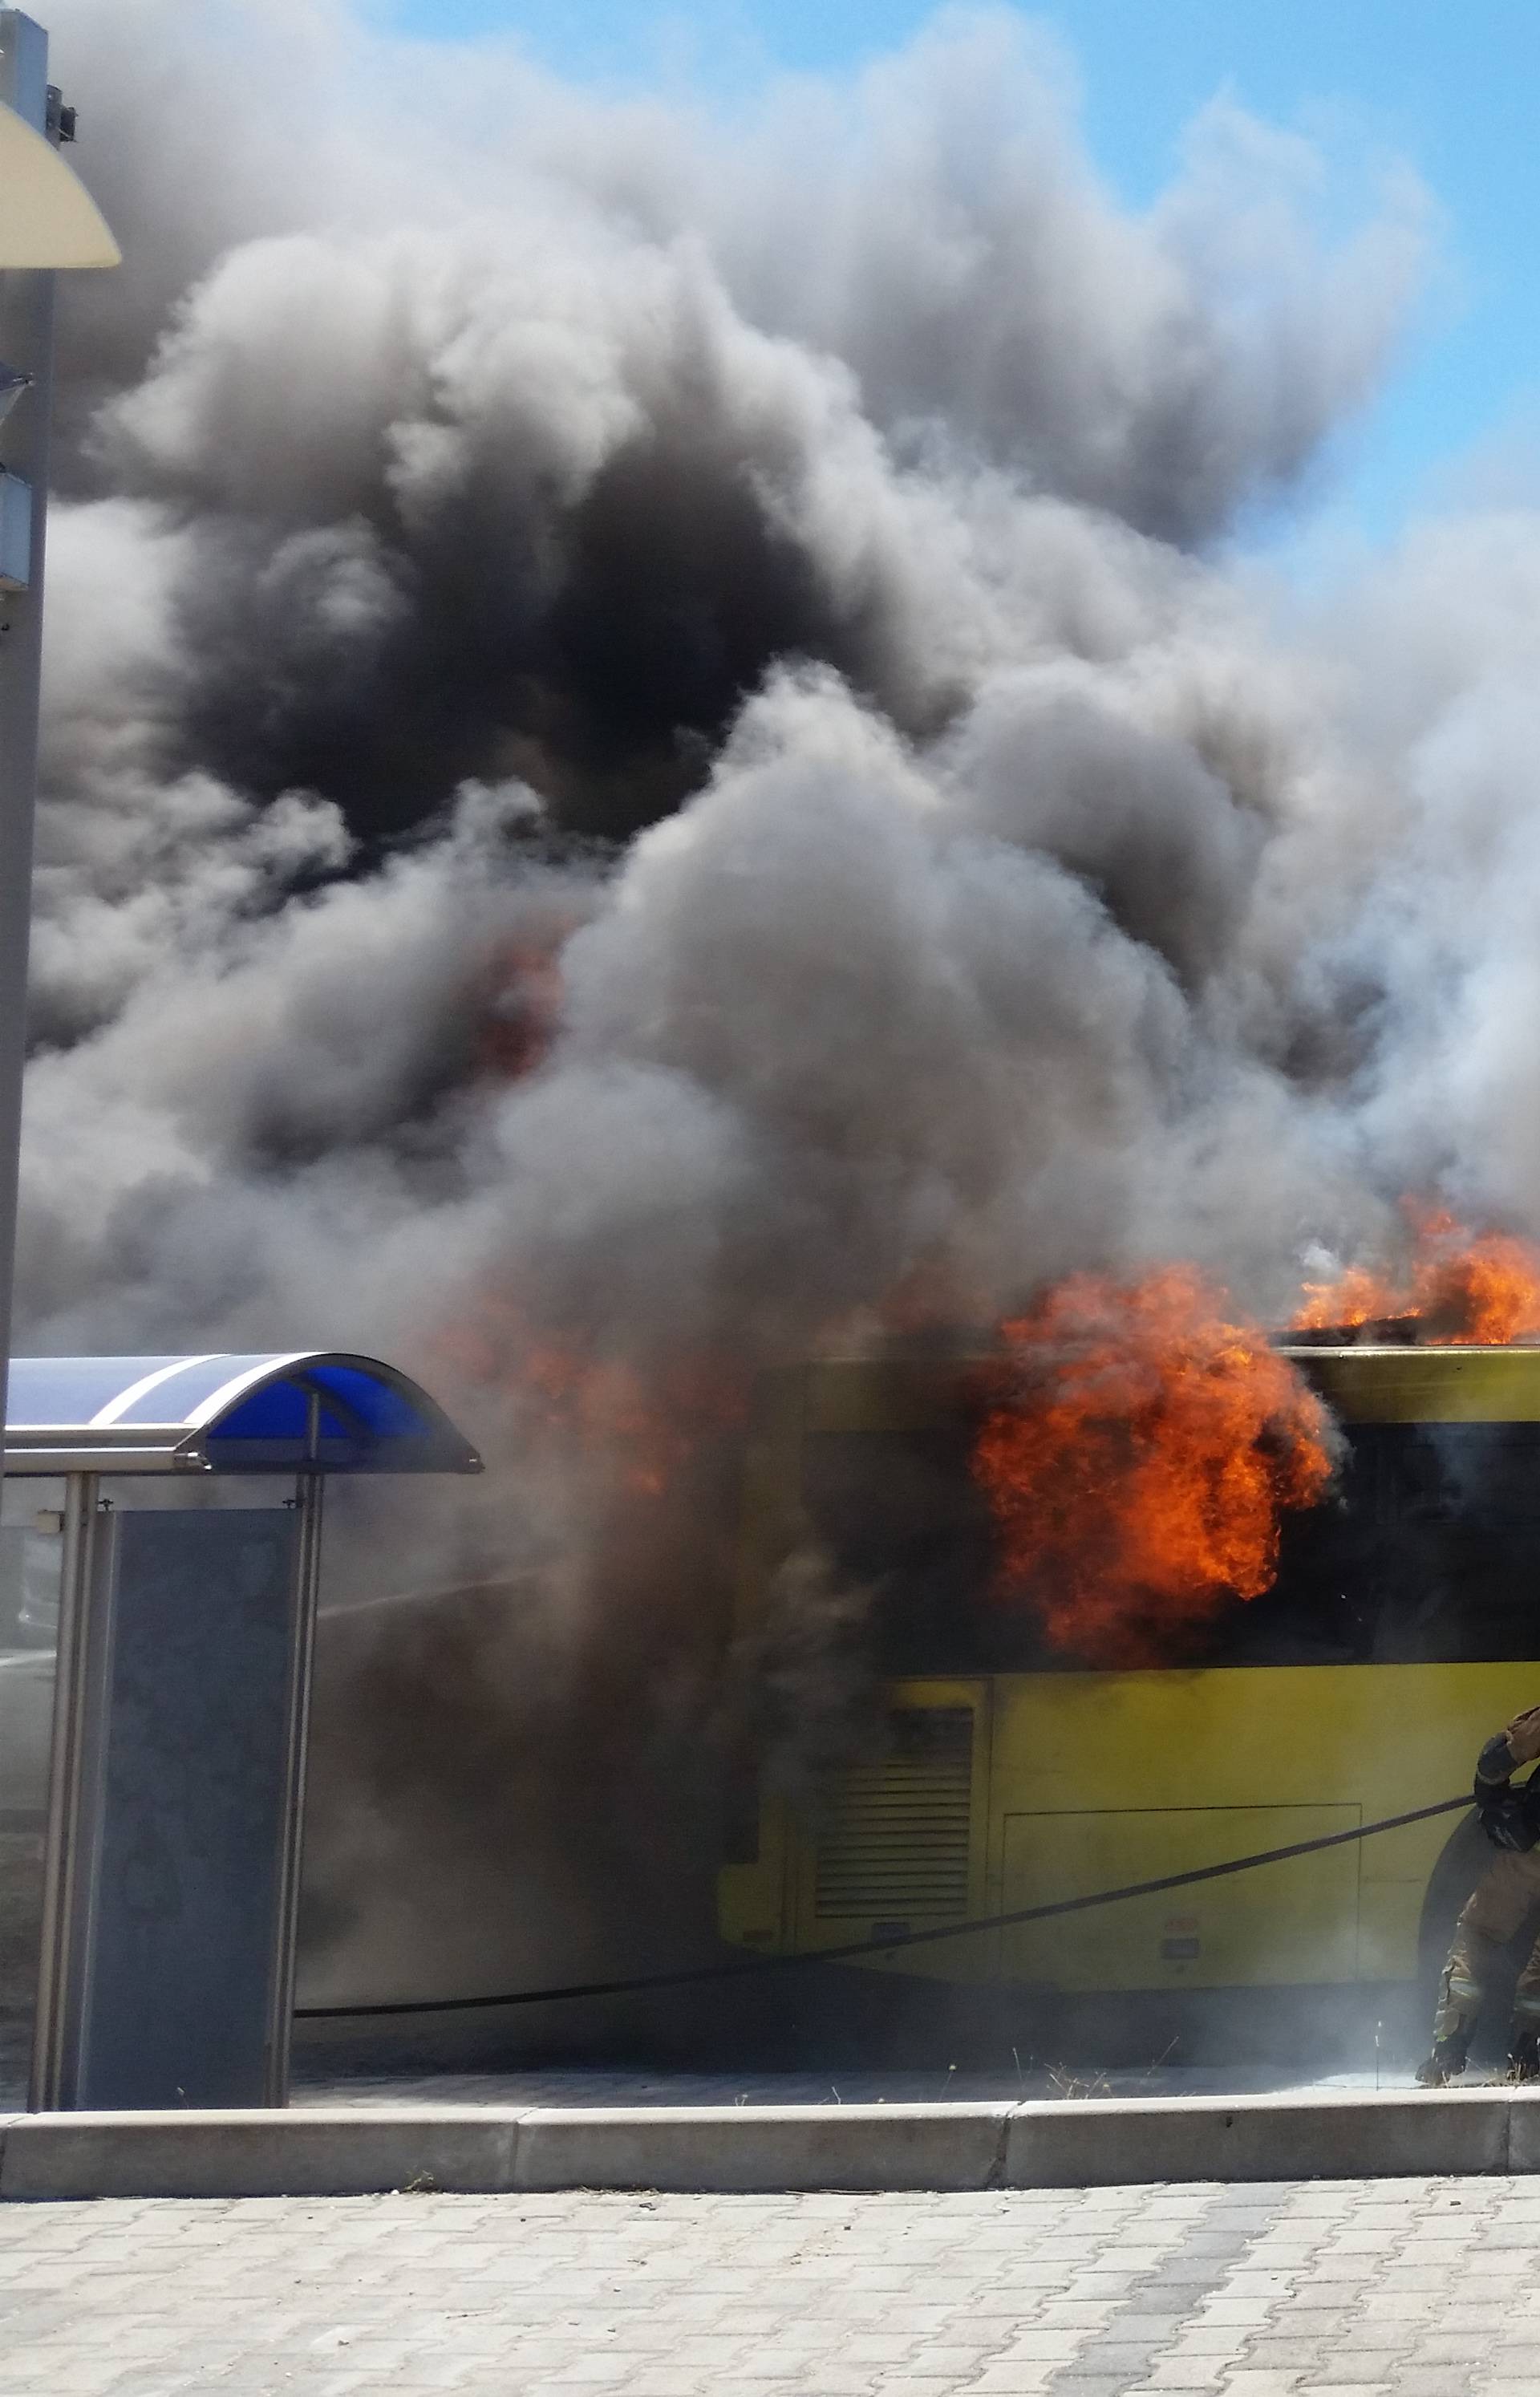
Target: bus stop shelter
(182, 1631)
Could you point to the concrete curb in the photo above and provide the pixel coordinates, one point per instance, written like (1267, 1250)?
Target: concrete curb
(308, 2151)
(326, 2151)
(761, 2148)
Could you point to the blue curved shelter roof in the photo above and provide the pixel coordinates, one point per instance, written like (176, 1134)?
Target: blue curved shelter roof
(317, 1408)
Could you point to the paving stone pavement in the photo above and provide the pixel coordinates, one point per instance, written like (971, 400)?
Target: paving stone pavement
(1406, 2288)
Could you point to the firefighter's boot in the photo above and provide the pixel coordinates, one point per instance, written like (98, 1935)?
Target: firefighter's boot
(1524, 2052)
(1448, 2060)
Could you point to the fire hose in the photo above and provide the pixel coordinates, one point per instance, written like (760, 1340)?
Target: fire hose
(741, 1967)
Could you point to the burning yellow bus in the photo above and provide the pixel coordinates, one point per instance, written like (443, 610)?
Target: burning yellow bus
(1402, 1625)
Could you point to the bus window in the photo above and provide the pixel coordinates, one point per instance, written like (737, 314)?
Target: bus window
(1428, 1551)
(1464, 1586)
(898, 1513)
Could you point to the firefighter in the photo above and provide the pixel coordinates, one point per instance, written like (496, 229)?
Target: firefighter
(1506, 1894)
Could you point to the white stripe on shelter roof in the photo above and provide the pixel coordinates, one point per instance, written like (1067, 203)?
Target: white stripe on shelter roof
(268, 1369)
(117, 1408)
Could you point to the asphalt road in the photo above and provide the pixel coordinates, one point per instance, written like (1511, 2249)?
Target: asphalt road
(1411, 2288)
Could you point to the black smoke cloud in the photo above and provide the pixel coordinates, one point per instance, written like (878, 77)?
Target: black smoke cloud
(653, 735)
(524, 445)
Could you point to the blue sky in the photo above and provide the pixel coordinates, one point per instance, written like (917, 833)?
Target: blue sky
(1451, 85)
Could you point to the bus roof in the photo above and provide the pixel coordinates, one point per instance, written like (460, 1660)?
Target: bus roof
(1360, 1383)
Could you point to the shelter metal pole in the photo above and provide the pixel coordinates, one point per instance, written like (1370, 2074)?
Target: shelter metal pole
(60, 1850)
(309, 1498)
(26, 347)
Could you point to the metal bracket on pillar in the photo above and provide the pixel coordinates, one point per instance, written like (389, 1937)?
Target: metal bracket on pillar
(15, 531)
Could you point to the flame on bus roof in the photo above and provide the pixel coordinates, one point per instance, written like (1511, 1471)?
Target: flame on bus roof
(1458, 1289)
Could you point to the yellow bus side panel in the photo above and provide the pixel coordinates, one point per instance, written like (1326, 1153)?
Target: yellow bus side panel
(1295, 1921)
(1081, 1782)
(1285, 1753)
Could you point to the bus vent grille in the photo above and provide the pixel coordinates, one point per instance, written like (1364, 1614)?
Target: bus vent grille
(893, 1839)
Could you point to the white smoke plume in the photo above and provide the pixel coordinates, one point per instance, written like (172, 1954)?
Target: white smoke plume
(652, 739)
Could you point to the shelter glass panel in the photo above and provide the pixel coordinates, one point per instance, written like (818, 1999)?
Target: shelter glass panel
(32, 1552)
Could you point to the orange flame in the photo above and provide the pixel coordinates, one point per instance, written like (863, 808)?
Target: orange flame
(520, 1001)
(646, 1423)
(1139, 1466)
(648, 1428)
(1464, 1289)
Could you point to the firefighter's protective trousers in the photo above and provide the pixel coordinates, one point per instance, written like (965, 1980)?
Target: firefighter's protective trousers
(1495, 1912)
(1507, 1891)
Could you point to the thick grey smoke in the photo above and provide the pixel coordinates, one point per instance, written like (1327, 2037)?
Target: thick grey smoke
(650, 747)
(516, 435)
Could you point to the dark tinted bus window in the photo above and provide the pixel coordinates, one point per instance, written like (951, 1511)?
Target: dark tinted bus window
(1461, 1578)
(1428, 1552)
(898, 1514)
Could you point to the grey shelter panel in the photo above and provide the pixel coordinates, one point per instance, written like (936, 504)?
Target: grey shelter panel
(195, 1687)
